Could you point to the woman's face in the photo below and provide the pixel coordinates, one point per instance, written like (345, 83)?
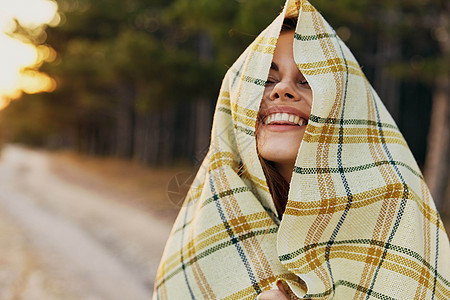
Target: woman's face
(285, 107)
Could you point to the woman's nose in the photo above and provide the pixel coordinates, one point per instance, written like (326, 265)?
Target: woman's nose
(284, 91)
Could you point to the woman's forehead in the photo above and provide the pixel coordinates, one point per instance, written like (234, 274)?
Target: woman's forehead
(284, 49)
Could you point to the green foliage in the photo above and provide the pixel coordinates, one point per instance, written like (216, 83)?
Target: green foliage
(231, 25)
(410, 22)
(166, 52)
(255, 15)
(35, 125)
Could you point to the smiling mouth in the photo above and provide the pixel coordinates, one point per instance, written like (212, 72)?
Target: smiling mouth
(285, 119)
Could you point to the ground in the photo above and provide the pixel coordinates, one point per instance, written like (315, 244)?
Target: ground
(76, 227)
(73, 227)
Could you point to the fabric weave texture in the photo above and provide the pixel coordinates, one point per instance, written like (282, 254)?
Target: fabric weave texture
(360, 222)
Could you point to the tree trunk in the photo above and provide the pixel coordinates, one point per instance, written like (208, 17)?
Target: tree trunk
(203, 116)
(388, 51)
(437, 159)
(139, 142)
(126, 120)
(154, 138)
(146, 139)
(202, 129)
(167, 138)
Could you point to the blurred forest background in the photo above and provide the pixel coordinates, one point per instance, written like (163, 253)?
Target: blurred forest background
(138, 79)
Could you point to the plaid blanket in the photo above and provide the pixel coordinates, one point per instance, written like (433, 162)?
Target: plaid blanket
(359, 222)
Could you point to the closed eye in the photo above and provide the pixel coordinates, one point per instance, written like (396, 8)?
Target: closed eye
(270, 82)
(304, 81)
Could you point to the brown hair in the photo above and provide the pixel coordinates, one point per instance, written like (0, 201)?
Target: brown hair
(289, 24)
(278, 186)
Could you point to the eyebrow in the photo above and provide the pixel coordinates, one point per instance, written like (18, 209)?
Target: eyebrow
(273, 66)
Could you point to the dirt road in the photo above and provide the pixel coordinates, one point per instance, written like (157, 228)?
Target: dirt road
(60, 239)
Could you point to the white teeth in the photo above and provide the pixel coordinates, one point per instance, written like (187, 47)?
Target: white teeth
(285, 117)
(275, 117)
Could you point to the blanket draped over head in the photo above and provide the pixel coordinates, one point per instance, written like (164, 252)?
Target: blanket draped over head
(359, 222)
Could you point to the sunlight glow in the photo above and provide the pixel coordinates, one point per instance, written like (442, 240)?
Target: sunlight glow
(19, 60)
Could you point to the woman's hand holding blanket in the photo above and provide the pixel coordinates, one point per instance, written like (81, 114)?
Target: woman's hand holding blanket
(277, 293)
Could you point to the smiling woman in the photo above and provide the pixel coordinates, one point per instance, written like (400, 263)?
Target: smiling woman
(354, 219)
(20, 60)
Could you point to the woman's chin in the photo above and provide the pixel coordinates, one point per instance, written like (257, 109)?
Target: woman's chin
(279, 150)
(279, 156)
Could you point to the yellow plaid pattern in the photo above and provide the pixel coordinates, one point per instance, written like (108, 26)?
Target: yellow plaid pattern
(359, 223)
